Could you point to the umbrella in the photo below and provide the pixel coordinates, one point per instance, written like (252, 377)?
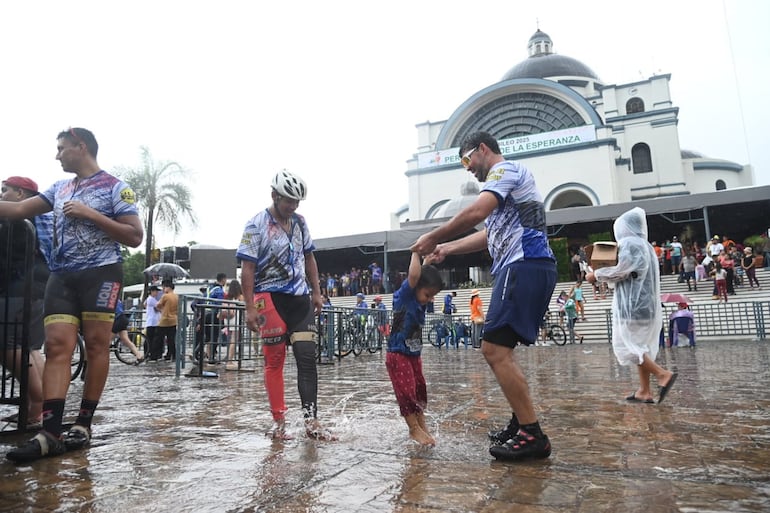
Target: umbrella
(675, 298)
(166, 271)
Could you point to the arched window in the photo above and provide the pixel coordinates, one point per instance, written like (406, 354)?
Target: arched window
(721, 185)
(640, 156)
(634, 105)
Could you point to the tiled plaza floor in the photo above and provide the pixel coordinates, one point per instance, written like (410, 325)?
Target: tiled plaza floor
(171, 444)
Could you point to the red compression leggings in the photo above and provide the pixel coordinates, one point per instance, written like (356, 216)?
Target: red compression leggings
(307, 377)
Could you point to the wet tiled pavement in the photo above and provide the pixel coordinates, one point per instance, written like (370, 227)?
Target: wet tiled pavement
(195, 444)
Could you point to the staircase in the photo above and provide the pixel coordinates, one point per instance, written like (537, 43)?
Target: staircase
(594, 328)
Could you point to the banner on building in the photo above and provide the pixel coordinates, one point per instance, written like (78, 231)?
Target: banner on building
(516, 145)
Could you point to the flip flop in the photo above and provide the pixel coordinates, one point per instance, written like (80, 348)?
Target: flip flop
(664, 389)
(632, 398)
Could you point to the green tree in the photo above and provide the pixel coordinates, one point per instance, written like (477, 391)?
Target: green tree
(162, 196)
(133, 267)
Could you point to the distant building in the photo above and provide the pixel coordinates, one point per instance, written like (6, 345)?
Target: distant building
(588, 143)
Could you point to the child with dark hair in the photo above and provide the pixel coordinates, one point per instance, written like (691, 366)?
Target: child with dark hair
(720, 282)
(404, 361)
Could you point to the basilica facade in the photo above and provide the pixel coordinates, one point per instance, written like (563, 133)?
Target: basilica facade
(587, 143)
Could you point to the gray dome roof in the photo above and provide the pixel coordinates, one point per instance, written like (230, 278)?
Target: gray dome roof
(469, 192)
(539, 35)
(543, 63)
(550, 65)
(691, 154)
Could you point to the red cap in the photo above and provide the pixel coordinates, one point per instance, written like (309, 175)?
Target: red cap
(21, 182)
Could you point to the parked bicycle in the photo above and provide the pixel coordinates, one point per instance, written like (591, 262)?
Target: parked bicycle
(362, 333)
(442, 333)
(553, 332)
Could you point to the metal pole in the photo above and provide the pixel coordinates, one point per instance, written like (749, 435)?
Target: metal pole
(385, 279)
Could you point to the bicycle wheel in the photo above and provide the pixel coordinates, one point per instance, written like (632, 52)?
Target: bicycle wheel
(375, 343)
(557, 334)
(358, 346)
(78, 358)
(434, 335)
(344, 343)
(124, 354)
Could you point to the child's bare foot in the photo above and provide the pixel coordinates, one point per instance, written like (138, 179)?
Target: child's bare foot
(421, 422)
(421, 437)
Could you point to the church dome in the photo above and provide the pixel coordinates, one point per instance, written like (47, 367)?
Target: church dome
(691, 154)
(543, 63)
(469, 192)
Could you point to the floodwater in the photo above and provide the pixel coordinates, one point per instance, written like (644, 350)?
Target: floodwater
(193, 444)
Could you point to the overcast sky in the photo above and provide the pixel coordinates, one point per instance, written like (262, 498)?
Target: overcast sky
(235, 91)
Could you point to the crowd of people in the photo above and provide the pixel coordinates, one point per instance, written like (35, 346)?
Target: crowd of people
(365, 280)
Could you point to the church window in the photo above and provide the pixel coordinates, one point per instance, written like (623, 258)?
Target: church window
(640, 156)
(634, 105)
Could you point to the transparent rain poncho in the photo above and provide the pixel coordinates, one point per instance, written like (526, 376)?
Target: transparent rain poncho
(637, 315)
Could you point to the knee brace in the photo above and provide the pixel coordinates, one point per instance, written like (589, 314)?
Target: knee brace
(303, 336)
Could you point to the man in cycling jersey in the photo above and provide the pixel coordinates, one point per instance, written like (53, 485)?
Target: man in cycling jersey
(279, 277)
(524, 271)
(93, 214)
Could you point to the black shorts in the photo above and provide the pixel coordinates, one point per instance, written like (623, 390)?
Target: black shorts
(120, 323)
(88, 295)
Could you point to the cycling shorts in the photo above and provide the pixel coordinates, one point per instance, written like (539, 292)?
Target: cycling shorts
(296, 311)
(87, 295)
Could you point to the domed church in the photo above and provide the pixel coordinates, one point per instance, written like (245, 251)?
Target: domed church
(588, 143)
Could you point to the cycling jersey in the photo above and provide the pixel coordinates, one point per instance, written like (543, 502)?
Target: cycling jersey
(79, 244)
(516, 229)
(279, 256)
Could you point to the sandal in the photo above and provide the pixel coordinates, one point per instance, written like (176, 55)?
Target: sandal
(42, 445)
(32, 425)
(77, 437)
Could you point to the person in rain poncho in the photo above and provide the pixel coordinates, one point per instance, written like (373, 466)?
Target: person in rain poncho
(636, 310)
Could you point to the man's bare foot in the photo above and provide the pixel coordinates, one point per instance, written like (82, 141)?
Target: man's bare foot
(278, 431)
(314, 429)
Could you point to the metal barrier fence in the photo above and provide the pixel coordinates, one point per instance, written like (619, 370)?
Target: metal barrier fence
(211, 331)
(750, 319)
(215, 332)
(16, 265)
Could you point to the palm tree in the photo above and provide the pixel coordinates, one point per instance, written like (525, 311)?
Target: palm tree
(160, 199)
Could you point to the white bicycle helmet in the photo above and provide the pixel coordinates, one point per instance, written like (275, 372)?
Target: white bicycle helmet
(289, 185)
